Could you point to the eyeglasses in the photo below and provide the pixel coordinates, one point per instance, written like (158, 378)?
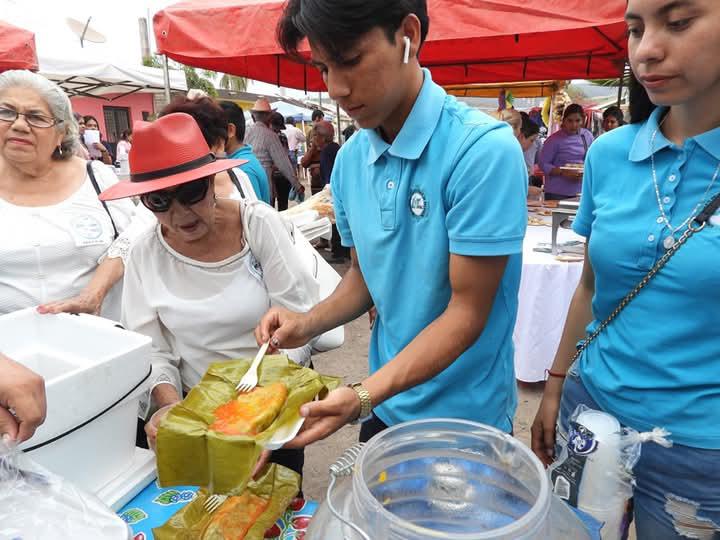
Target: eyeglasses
(34, 119)
(187, 195)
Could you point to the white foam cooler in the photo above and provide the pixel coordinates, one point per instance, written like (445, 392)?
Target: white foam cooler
(95, 373)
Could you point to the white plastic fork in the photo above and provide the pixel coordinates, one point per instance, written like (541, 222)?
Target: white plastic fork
(250, 379)
(213, 502)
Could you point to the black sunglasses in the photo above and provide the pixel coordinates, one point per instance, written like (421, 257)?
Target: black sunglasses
(187, 195)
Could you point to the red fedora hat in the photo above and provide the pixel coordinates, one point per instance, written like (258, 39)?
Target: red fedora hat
(167, 152)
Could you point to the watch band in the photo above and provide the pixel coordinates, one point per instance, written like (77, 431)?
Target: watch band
(365, 403)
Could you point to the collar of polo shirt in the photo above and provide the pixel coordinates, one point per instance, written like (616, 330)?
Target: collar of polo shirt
(417, 129)
(640, 150)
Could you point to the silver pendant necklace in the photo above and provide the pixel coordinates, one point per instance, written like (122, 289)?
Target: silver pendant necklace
(669, 241)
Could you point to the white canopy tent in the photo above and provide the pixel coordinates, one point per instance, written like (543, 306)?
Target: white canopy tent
(98, 79)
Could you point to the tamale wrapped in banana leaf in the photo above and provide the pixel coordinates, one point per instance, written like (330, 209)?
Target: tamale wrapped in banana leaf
(189, 453)
(245, 516)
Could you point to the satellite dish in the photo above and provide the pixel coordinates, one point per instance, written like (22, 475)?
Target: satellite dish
(84, 31)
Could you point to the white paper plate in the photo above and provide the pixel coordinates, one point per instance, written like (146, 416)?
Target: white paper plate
(284, 435)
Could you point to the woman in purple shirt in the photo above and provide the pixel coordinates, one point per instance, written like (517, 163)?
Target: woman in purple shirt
(569, 145)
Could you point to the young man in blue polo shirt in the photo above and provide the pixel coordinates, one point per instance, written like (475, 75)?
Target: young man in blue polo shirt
(430, 197)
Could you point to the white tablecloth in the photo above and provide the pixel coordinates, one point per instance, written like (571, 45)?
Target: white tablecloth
(546, 289)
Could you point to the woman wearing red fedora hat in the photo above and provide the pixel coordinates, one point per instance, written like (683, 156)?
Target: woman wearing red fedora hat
(199, 282)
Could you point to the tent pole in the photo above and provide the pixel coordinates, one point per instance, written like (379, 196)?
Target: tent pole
(620, 86)
(166, 76)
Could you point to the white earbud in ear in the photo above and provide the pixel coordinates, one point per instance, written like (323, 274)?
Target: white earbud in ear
(406, 56)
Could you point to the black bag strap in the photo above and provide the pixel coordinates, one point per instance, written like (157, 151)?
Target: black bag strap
(236, 182)
(91, 174)
(585, 144)
(695, 226)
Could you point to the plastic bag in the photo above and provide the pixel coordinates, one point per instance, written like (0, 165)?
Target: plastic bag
(295, 195)
(594, 470)
(38, 505)
(321, 202)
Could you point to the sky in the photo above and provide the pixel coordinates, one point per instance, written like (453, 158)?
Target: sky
(116, 20)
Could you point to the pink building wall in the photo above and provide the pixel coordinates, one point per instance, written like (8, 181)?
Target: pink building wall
(138, 103)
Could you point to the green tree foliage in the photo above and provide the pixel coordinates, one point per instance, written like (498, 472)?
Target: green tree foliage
(201, 79)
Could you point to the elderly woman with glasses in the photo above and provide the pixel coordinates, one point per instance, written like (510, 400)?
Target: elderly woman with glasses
(61, 248)
(199, 282)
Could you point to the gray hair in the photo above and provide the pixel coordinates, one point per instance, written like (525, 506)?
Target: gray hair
(57, 101)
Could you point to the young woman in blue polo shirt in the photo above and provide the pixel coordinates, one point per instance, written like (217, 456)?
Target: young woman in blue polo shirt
(430, 198)
(658, 363)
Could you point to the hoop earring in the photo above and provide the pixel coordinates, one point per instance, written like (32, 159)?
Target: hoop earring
(406, 55)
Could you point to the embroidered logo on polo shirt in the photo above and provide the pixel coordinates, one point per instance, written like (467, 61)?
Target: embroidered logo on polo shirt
(418, 203)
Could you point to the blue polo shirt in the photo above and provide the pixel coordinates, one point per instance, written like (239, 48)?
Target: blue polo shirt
(453, 181)
(658, 363)
(255, 172)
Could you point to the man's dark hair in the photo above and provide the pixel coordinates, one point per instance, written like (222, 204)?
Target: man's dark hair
(615, 112)
(573, 108)
(89, 117)
(206, 112)
(236, 117)
(290, 121)
(337, 26)
(277, 120)
(317, 114)
(528, 127)
(348, 132)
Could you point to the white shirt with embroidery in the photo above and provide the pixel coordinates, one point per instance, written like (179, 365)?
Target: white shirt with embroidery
(199, 312)
(50, 253)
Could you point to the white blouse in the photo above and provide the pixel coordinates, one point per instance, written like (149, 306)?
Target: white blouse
(50, 253)
(198, 312)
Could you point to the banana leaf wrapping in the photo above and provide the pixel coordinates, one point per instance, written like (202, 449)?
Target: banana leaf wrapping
(190, 454)
(275, 488)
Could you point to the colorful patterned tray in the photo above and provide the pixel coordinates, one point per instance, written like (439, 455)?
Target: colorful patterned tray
(154, 505)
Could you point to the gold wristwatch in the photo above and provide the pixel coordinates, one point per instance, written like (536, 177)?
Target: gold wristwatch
(365, 403)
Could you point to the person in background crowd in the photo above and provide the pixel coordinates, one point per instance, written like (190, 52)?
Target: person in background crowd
(613, 117)
(281, 183)
(316, 116)
(23, 392)
(530, 143)
(235, 148)
(324, 140)
(295, 138)
(66, 250)
(528, 138)
(311, 162)
(81, 150)
(267, 147)
(568, 146)
(432, 183)
(192, 282)
(122, 150)
(98, 150)
(657, 365)
(213, 124)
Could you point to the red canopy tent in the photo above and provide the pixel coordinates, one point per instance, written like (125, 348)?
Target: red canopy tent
(470, 41)
(17, 48)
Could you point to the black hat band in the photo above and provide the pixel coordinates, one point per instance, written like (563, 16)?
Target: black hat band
(176, 169)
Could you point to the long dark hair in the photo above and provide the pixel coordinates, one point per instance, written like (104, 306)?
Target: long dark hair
(640, 105)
